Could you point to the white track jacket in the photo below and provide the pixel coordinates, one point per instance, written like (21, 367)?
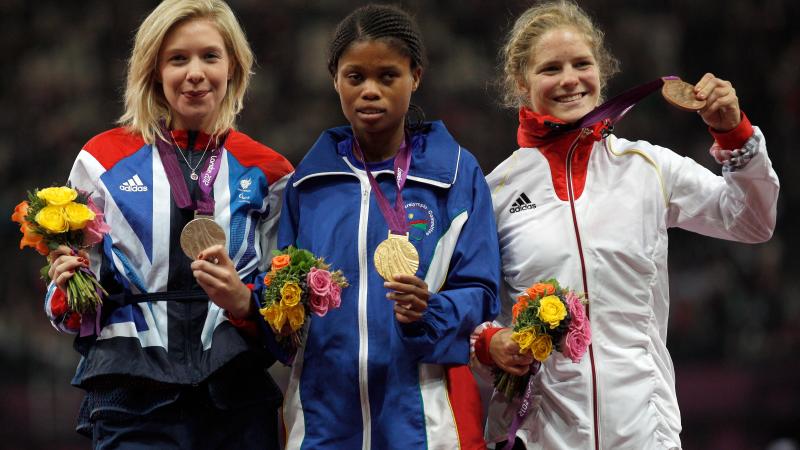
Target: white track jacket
(611, 242)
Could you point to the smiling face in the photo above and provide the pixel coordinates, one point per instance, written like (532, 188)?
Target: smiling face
(562, 79)
(194, 69)
(375, 81)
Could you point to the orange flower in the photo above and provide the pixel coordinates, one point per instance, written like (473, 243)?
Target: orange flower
(522, 303)
(540, 290)
(280, 261)
(20, 211)
(268, 278)
(32, 239)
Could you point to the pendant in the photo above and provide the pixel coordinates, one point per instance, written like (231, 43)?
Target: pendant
(194, 176)
(199, 234)
(396, 255)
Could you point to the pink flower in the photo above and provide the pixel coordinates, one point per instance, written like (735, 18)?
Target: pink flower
(93, 231)
(335, 296)
(577, 312)
(576, 342)
(318, 304)
(319, 281)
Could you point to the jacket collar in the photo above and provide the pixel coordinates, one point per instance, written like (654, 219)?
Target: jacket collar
(540, 130)
(435, 156)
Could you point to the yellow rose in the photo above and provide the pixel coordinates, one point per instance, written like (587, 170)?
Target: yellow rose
(523, 338)
(78, 215)
(290, 294)
(296, 316)
(57, 196)
(541, 347)
(52, 219)
(275, 317)
(552, 310)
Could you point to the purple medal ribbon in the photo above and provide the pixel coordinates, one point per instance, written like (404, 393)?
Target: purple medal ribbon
(395, 217)
(615, 108)
(524, 408)
(180, 191)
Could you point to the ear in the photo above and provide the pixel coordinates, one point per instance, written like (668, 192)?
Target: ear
(522, 85)
(336, 83)
(416, 75)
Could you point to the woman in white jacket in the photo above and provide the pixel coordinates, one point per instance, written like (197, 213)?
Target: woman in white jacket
(592, 210)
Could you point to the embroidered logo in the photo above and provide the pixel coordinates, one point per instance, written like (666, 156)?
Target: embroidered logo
(134, 184)
(244, 189)
(421, 221)
(521, 204)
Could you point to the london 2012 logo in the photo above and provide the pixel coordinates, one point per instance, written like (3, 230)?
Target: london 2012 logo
(421, 221)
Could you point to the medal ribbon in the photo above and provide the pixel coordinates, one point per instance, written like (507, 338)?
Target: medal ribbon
(615, 108)
(177, 182)
(524, 409)
(395, 217)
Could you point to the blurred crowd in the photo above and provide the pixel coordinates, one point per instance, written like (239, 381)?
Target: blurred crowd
(735, 311)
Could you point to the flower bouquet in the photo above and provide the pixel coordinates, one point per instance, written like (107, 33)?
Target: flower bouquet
(62, 215)
(298, 284)
(546, 317)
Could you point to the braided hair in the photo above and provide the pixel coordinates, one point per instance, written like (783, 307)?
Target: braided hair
(390, 25)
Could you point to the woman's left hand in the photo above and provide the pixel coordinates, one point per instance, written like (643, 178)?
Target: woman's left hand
(410, 295)
(721, 112)
(216, 274)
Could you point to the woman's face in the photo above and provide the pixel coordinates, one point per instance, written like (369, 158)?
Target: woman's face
(375, 82)
(562, 79)
(194, 69)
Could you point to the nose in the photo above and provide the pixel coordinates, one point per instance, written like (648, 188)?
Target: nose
(569, 78)
(370, 90)
(195, 73)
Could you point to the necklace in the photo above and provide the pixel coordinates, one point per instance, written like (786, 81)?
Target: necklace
(193, 175)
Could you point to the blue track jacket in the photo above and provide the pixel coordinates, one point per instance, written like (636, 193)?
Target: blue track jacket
(363, 380)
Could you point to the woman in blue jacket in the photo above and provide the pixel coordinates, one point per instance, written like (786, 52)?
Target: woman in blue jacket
(385, 370)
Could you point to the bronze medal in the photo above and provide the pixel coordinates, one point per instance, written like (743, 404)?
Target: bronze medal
(680, 94)
(199, 234)
(396, 255)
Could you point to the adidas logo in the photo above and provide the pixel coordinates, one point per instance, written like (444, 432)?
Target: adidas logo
(522, 203)
(133, 185)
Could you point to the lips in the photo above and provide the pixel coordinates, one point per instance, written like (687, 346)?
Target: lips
(370, 114)
(570, 98)
(195, 94)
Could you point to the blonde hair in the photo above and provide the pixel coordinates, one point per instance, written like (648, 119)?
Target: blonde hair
(517, 54)
(145, 104)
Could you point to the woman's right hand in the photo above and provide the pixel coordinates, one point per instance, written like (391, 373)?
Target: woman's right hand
(63, 263)
(506, 355)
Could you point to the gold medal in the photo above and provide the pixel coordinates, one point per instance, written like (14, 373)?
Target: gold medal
(396, 255)
(680, 94)
(199, 234)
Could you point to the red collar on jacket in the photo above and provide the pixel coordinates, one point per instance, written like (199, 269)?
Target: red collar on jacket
(537, 131)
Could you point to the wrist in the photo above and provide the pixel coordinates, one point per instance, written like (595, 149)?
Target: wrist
(482, 345)
(735, 137)
(245, 308)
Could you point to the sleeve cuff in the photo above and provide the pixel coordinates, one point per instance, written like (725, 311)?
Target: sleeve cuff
(482, 346)
(735, 138)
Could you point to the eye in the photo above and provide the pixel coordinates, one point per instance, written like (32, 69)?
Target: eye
(549, 69)
(389, 77)
(354, 77)
(177, 58)
(212, 56)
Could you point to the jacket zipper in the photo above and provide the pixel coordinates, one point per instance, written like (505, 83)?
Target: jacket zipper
(363, 348)
(571, 195)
